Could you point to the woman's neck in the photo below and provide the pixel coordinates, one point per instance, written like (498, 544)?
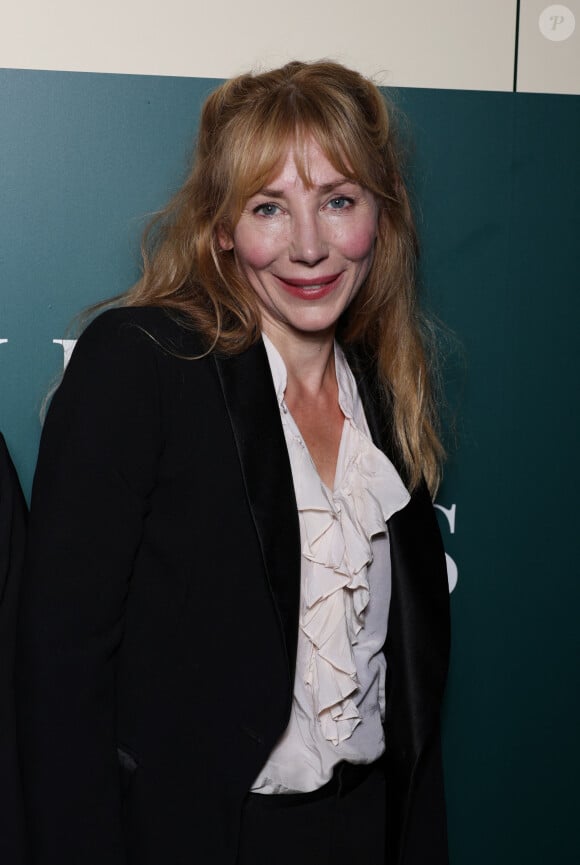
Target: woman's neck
(308, 357)
(311, 394)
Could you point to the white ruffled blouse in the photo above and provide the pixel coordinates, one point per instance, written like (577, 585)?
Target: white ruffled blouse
(339, 692)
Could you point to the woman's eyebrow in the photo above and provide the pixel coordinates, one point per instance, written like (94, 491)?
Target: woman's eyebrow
(271, 193)
(328, 187)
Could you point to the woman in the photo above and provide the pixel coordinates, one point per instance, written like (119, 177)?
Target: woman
(234, 629)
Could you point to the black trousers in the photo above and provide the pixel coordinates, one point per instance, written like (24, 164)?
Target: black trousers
(341, 824)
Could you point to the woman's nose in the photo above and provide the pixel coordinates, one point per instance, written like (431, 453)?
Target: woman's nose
(307, 243)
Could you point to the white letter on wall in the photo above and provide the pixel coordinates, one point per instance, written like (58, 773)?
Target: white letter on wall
(67, 348)
(452, 572)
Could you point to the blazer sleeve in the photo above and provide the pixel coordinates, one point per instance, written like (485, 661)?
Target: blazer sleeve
(426, 829)
(12, 536)
(96, 469)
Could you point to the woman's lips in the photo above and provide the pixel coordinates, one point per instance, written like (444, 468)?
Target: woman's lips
(310, 289)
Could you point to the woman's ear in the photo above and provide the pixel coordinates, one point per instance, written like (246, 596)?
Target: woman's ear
(224, 238)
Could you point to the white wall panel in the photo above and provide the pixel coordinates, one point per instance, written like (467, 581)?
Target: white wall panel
(464, 44)
(549, 47)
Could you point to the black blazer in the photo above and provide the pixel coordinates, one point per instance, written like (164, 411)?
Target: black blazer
(12, 537)
(160, 608)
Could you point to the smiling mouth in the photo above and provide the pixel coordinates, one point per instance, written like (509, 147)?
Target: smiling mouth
(310, 289)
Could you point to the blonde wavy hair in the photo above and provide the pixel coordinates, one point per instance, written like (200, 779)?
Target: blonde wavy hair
(247, 126)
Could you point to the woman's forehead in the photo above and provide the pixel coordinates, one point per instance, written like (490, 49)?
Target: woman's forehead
(308, 162)
(304, 158)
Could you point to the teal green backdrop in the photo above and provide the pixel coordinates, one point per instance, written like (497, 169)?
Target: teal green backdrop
(497, 182)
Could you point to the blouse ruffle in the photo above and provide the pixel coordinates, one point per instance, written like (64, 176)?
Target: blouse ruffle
(337, 527)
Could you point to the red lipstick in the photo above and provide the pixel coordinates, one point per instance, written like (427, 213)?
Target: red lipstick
(310, 289)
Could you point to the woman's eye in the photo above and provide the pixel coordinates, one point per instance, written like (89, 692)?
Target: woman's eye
(266, 209)
(340, 202)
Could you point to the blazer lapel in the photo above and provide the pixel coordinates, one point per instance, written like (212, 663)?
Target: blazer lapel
(417, 646)
(255, 417)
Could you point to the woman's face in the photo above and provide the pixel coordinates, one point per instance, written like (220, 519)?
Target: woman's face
(305, 251)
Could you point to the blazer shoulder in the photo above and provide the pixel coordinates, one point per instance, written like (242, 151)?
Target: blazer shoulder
(149, 326)
(120, 368)
(128, 372)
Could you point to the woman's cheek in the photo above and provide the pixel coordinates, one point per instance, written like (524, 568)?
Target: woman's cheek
(356, 236)
(359, 242)
(258, 248)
